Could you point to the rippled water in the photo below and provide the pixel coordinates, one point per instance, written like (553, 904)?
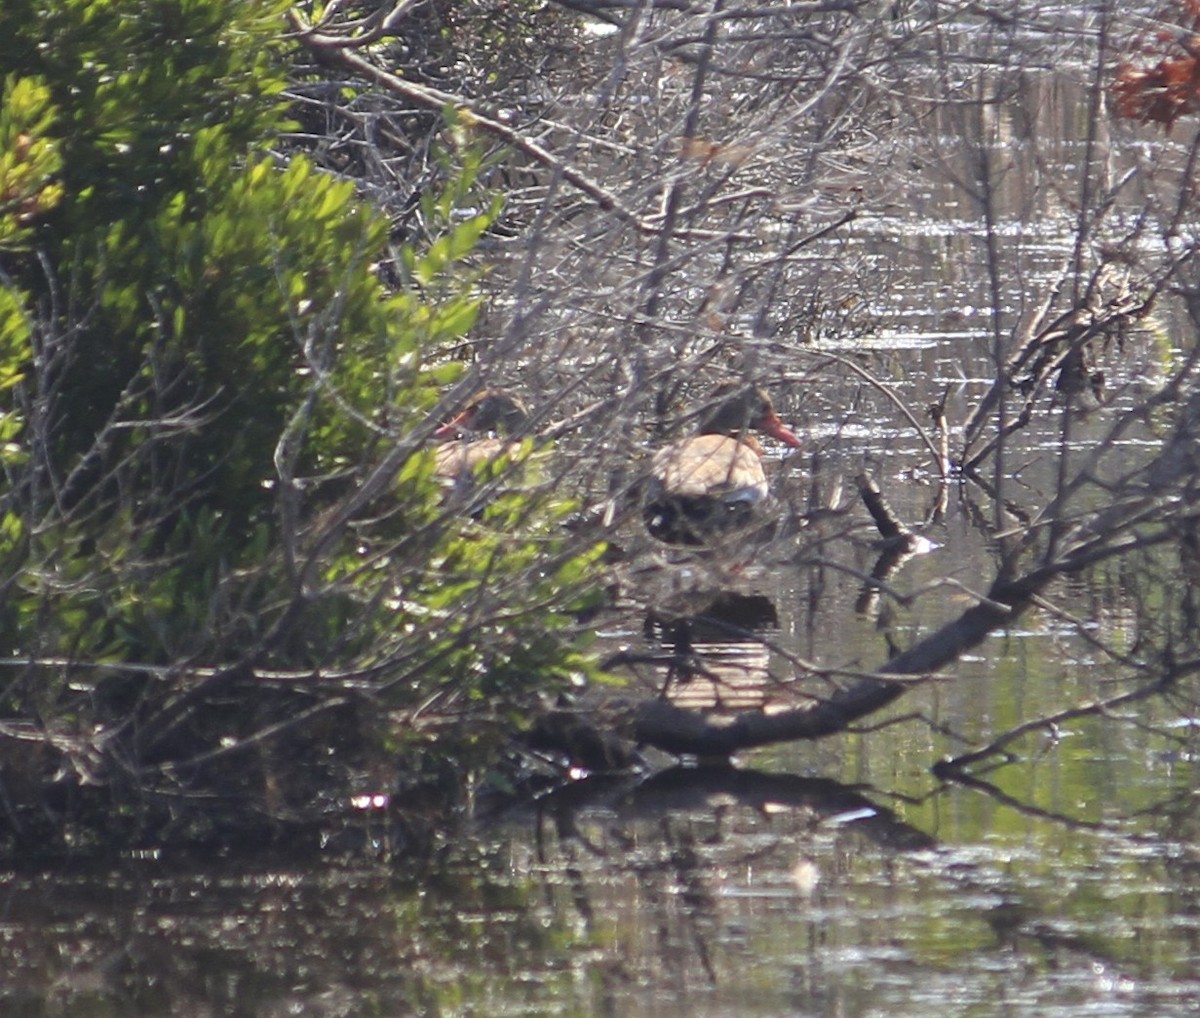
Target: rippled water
(833, 878)
(841, 877)
(733, 892)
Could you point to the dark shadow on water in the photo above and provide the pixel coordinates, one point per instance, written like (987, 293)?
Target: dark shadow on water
(677, 893)
(688, 839)
(689, 790)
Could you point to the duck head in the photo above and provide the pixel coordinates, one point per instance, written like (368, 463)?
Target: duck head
(737, 408)
(491, 410)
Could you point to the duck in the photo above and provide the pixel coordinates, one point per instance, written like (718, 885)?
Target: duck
(483, 431)
(713, 482)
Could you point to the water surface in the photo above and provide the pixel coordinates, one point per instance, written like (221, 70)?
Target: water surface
(841, 877)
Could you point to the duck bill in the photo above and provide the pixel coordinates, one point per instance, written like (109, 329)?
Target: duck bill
(770, 424)
(453, 427)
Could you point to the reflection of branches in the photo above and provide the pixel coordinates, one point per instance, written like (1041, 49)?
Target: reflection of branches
(1083, 631)
(1172, 675)
(940, 465)
(1024, 808)
(700, 912)
(1102, 538)
(650, 828)
(686, 789)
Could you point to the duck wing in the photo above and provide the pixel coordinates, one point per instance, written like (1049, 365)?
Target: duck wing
(709, 466)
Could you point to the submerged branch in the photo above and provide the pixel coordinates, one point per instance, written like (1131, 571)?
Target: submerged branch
(686, 732)
(680, 731)
(956, 766)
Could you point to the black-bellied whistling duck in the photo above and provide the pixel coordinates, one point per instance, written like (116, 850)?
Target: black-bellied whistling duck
(713, 481)
(483, 428)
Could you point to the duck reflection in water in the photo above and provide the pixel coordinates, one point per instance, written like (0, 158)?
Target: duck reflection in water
(719, 660)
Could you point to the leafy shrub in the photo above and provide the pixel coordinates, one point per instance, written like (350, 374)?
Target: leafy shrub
(200, 367)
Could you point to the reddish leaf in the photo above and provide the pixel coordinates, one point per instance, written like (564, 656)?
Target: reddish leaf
(1160, 91)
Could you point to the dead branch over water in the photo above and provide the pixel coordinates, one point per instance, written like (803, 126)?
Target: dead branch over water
(704, 194)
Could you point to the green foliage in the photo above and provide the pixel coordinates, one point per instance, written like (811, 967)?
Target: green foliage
(29, 160)
(221, 366)
(139, 83)
(14, 355)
